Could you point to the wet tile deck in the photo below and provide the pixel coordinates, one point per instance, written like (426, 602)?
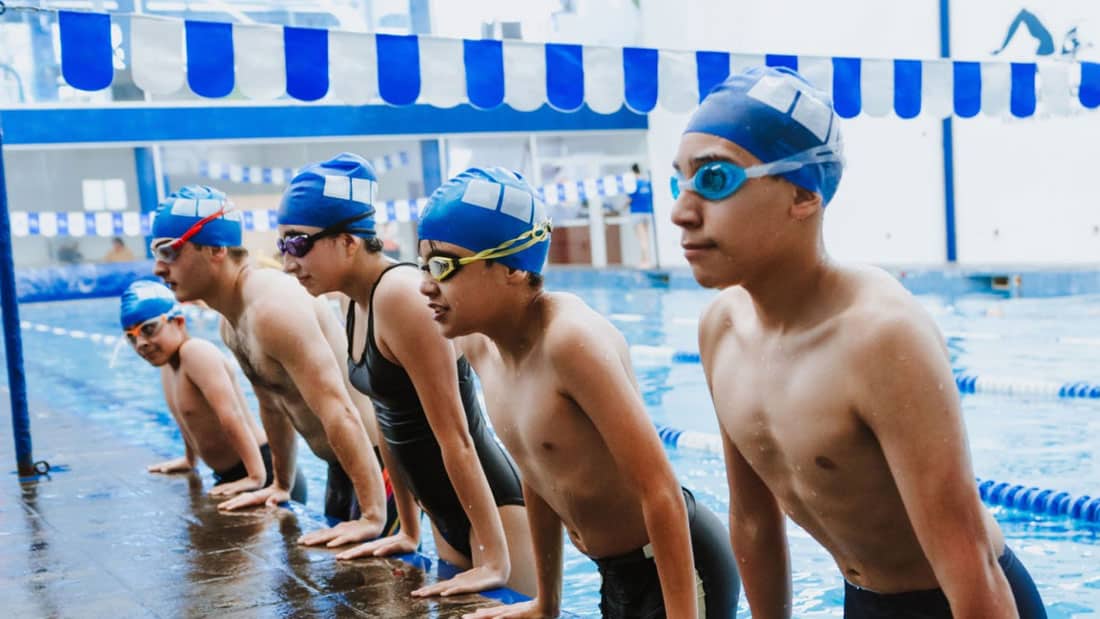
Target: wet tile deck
(106, 539)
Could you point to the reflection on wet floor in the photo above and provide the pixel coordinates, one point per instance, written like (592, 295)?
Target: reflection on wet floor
(106, 539)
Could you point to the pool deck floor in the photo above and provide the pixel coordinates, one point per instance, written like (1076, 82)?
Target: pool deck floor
(106, 539)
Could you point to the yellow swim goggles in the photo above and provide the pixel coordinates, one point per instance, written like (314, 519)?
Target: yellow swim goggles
(443, 266)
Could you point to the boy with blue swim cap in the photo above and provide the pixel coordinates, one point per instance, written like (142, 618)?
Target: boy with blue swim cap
(828, 380)
(287, 344)
(217, 427)
(563, 399)
(436, 442)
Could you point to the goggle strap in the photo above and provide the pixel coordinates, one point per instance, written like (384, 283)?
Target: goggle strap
(534, 236)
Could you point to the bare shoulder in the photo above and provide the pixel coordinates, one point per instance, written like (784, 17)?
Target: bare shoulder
(884, 316)
(197, 351)
(398, 294)
(276, 304)
(727, 308)
(477, 348)
(572, 327)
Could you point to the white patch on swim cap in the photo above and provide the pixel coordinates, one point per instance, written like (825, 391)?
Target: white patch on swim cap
(774, 92)
(362, 190)
(813, 114)
(190, 207)
(485, 194)
(517, 203)
(338, 187)
(150, 291)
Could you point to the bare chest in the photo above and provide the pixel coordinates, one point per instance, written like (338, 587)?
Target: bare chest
(260, 370)
(789, 412)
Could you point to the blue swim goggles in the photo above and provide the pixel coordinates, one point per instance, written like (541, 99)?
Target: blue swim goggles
(718, 180)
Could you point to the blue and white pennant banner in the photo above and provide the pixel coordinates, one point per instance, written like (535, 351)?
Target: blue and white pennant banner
(266, 62)
(131, 223)
(260, 175)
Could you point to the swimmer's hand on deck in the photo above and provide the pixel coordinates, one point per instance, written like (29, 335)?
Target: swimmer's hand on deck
(522, 610)
(270, 496)
(382, 547)
(472, 580)
(179, 465)
(237, 487)
(344, 533)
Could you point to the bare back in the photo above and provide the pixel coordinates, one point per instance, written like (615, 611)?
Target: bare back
(197, 419)
(792, 405)
(267, 291)
(557, 447)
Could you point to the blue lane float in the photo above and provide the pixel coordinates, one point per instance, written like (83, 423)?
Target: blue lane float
(1043, 502)
(966, 383)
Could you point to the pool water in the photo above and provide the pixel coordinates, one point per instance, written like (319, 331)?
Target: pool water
(1050, 443)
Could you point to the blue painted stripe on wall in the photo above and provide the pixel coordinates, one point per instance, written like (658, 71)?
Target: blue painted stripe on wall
(484, 62)
(398, 81)
(210, 64)
(712, 68)
(907, 88)
(564, 76)
(86, 49)
(306, 53)
(968, 89)
(105, 125)
(640, 75)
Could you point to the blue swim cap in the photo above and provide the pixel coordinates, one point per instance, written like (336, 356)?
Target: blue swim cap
(143, 300)
(331, 192)
(186, 207)
(774, 113)
(482, 209)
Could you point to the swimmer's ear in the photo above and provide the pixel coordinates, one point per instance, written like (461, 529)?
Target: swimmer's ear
(515, 276)
(351, 243)
(218, 253)
(805, 204)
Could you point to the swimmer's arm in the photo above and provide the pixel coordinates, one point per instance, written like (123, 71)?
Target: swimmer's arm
(758, 534)
(430, 361)
(546, 542)
(907, 396)
(292, 337)
(758, 529)
(205, 367)
(177, 465)
(593, 374)
(282, 441)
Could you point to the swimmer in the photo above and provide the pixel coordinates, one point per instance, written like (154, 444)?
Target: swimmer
(287, 344)
(832, 385)
(202, 394)
(434, 434)
(563, 398)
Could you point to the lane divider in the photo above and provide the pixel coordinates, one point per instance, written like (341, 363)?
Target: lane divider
(666, 355)
(1038, 501)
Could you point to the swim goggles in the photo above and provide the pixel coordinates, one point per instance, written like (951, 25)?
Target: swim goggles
(169, 251)
(718, 180)
(299, 244)
(146, 329)
(443, 266)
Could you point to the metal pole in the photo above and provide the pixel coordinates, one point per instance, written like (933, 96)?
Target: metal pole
(13, 341)
(952, 248)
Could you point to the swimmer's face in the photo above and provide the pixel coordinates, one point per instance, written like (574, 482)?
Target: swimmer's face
(188, 273)
(319, 269)
(463, 300)
(158, 339)
(729, 240)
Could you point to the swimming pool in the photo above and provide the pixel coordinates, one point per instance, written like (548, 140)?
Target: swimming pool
(1032, 440)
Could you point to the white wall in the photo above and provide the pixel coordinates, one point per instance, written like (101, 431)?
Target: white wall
(1023, 187)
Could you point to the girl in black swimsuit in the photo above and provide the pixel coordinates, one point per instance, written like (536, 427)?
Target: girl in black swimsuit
(437, 445)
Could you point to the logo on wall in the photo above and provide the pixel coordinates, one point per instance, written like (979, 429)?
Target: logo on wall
(1046, 43)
